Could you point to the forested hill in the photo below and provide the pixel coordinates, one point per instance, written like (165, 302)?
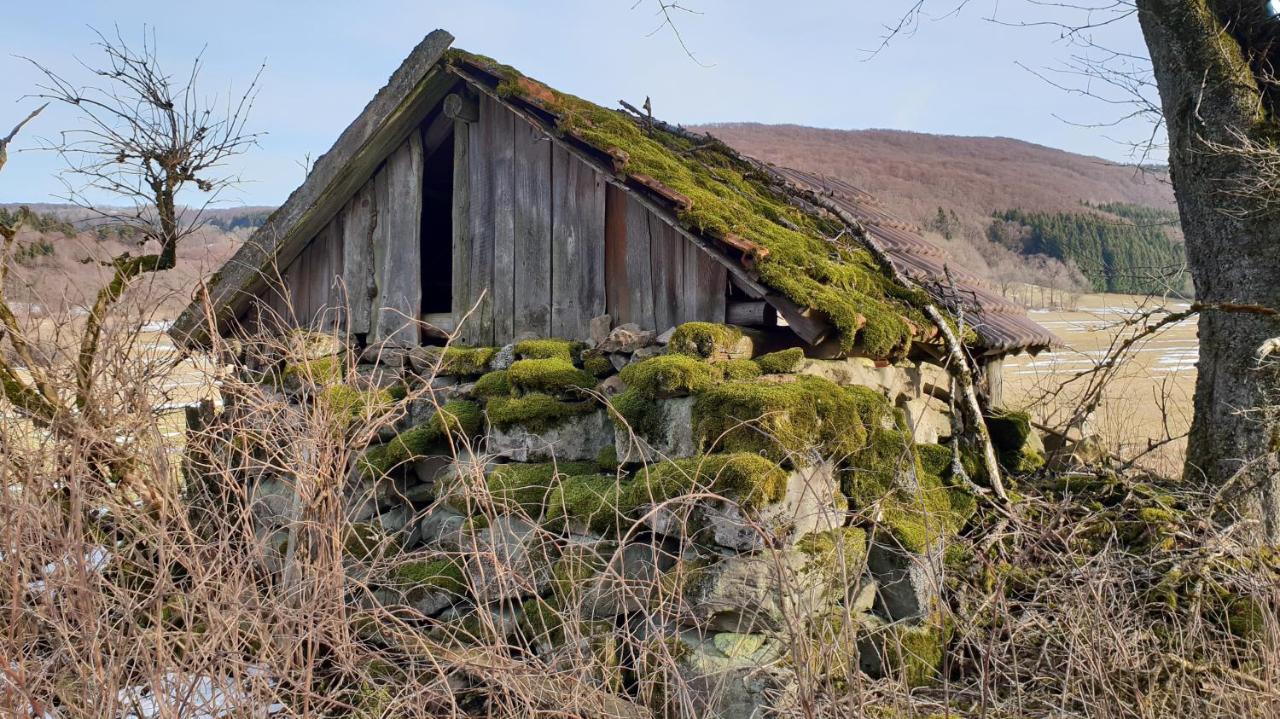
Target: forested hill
(1118, 247)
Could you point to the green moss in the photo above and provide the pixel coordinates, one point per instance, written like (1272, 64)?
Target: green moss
(780, 419)
(935, 459)
(362, 540)
(526, 487)
(840, 549)
(1015, 442)
(445, 574)
(548, 376)
(320, 372)
(670, 375)
(728, 195)
(749, 480)
(780, 362)
(914, 652)
(593, 503)
(598, 365)
(738, 369)
(458, 361)
(458, 417)
(704, 339)
(350, 405)
(659, 377)
(535, 412)
(566, 350)
(607, 459)
(493, 384)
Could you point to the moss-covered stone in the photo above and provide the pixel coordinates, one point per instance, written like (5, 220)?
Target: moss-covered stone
(738, 369)
(549, 376)
(780, 362)
(598, 365)
(836, 551)
(607, 460)
(670, 375)
(783, 421)
(348, 405)
(527, 487)
(659, 377)
(704, 339)
(1018, 446)
(459, 361)
(458, 417)
(747, 479)
(731, 196)
(593, 503)
(567, 350)
(535, 412)
(914, 652)
(444, 574)
(319, 372)
(493, 384)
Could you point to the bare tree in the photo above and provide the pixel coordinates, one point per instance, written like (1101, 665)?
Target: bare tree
(149, 141)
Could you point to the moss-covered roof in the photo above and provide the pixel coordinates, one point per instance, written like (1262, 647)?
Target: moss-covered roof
(791, 247)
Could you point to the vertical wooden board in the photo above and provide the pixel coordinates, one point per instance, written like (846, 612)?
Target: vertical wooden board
(706, 282)
(531, 207)
(639, 267)
(504, 231)
(461, 301)
(578, 246)
(616, 280)
(295, 279)
(400, 228)
(335, 304)
(359, 222)
(478, 327)
(666, 257)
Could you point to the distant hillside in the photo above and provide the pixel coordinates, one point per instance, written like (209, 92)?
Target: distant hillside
(915, 174)
(954, 187)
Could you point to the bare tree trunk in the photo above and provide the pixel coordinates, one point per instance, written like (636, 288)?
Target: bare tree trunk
(1210, 59)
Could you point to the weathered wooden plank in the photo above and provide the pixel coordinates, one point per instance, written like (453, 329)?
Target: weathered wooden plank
(416, 86)
(711, 284)
(617, 281)
(532, 222)
(504, 230)
(639, 267)
(666, 256)
(461, 302)
(359, 221)
(478, 329)
(577, 245)
(399, 233)
(319, 278)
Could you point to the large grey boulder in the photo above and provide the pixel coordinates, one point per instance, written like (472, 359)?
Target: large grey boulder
(575, 440)
(910, 583)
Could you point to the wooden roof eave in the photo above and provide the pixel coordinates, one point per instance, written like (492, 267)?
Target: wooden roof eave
(810, 325)
(415, 87)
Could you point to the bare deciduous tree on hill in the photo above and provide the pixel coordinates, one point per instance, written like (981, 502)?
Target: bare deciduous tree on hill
(147, 142)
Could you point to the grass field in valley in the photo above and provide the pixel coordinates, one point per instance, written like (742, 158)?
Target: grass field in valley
(1151, 396)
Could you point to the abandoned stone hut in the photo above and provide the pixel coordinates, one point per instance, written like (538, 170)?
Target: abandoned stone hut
(759, 331)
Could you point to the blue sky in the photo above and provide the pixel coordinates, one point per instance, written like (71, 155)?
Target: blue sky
(801, 62)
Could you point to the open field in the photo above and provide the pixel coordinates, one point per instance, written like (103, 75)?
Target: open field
(1151, 397)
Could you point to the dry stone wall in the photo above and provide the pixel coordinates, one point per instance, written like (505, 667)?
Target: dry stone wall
(676, 507)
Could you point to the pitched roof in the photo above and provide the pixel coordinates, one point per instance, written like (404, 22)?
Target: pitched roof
(761, 221)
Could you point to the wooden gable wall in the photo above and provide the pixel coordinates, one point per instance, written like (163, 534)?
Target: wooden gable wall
(542, 243)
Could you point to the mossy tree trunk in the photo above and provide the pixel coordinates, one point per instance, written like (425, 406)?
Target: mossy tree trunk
(1214, 65)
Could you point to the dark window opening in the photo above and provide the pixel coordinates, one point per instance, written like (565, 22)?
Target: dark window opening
(437, 228)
